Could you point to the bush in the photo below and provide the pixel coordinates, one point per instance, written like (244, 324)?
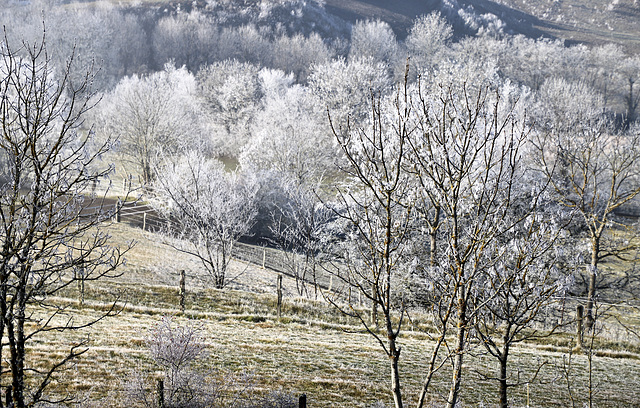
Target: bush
(177, 350)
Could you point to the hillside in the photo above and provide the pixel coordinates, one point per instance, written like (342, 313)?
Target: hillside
(312, 349)
(577, 21)
(399, 14)
(590, 22)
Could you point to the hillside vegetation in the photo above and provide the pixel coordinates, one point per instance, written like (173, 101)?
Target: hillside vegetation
(576, 21)
(448, 192)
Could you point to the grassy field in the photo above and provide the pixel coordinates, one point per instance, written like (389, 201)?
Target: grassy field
(312, 349)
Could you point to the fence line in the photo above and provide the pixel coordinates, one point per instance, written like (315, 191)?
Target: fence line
(143, 216)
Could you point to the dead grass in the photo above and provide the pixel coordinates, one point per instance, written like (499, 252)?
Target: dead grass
(312, 349)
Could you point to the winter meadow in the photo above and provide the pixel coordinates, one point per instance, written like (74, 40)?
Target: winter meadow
(292, 203)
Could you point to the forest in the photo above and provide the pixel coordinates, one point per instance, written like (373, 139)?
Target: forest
(455, 208)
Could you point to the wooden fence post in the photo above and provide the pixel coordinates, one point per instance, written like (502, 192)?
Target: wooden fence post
(279, 305)
(183, 291)
(144, 221)
(302, 401)
(160, 393)
(79, 275)
(264, 257)
(118, 207)
(579, 319)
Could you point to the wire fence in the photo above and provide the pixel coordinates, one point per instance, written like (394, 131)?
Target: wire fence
(135, 211)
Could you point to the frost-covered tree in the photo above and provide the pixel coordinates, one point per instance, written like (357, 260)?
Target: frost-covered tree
(101, 34)
(373, 39)
(275, 82)
(298, 225)
(52, 230)
(298, 54)
(521, 284)
(245, 44)
(345, 87)
(232, 96)
(593, 169)
(208, 210)
(85, 31)
(291, 137)
(151, 116)
(427, 43)
(630, 74)
(600, 74)
(30, 17)
(564, 106)
(133, 50)
(466, 152)
(374, 213)
(176, 349)
(179, 350)
(531, 62)
(189, 39)
(466, 68)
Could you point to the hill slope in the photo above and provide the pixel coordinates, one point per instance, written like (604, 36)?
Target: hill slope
(585, 21)
(577, 21)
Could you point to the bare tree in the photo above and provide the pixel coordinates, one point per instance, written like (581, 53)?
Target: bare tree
(521, 286)
(376, 215)
(298, 225)
(629, 72)
(176, 349)
(179, 349)
(49, 228)
(208, 210)
(448, 157)
(594, 171)
(466, 152)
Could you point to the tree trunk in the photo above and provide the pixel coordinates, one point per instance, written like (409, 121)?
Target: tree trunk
(502, 375)
(631, 103)
(146, 172)
(16, 347)
(395, 373)
(456, 379)
(279, 296)
(503, 384)
(595, 249)
(183, 289)
(579, 325)
(432, 246)
(432, 364)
